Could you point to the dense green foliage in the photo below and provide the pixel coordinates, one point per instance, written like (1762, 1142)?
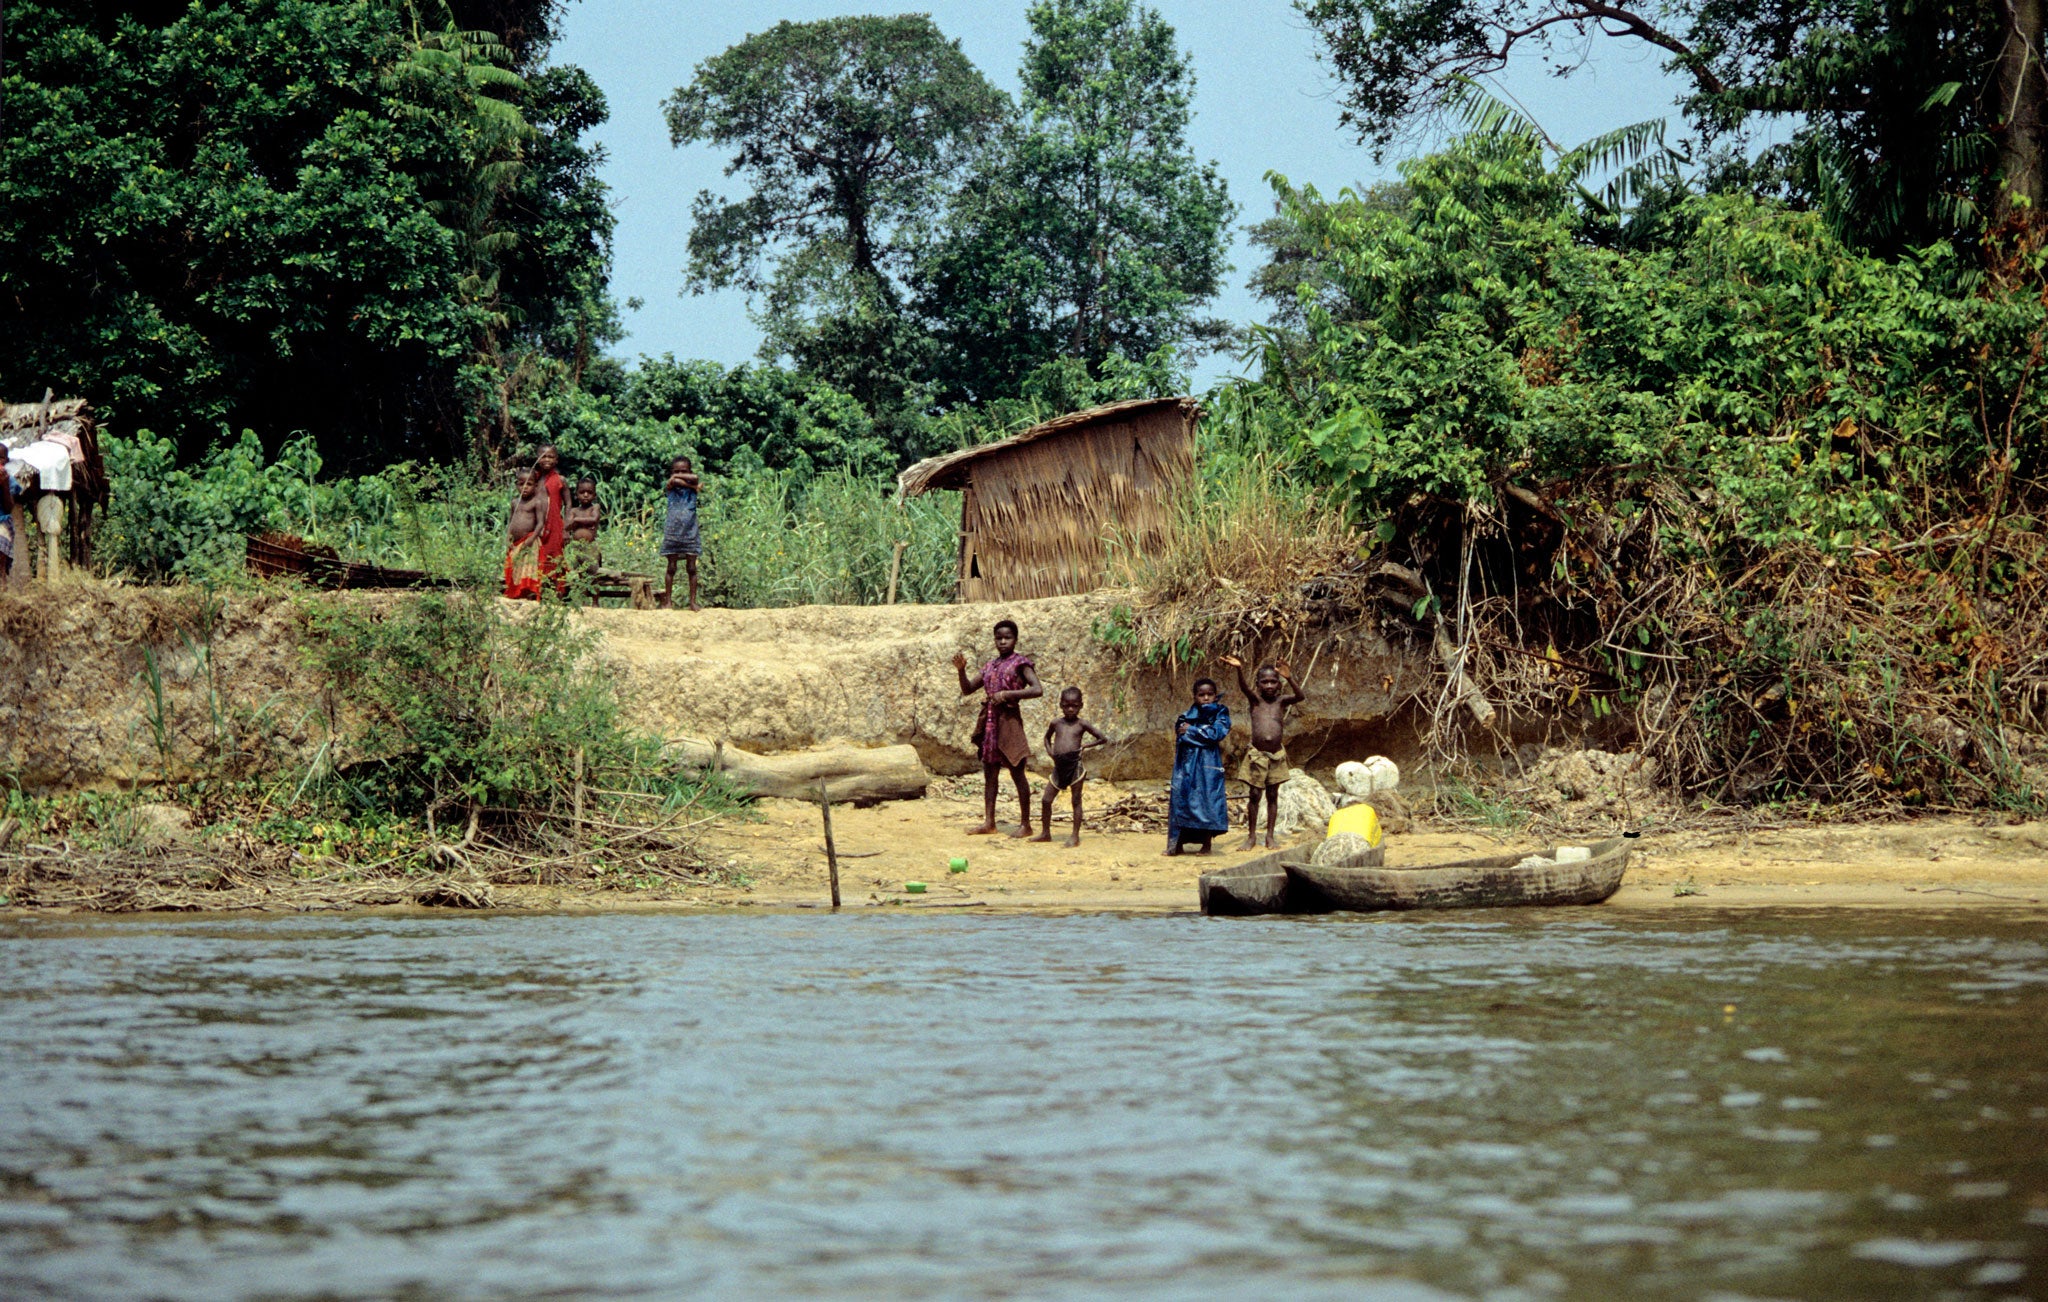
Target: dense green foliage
(772, 537)
(1778, 492)
(1908, 121)
(1479, 335)
(345, 218)
(764, 415)
(443, 706)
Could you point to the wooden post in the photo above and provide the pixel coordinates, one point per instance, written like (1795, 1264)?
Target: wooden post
(576, 797)
(831, 851)
(895, 568)
(50, 519)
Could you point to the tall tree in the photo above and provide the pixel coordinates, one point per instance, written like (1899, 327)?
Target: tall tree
(285, 215)
(1911, 119)
(1090, 231)
(846, 131)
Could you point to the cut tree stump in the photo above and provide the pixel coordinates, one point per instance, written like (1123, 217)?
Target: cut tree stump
(845, 772)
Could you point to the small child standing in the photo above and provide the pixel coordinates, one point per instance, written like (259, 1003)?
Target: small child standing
(1198, 810)
(1066, 737)
(523, 527)
(679, 537)
(1265, 760)
(583, 519)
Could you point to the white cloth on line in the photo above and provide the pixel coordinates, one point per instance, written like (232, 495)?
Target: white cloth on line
(52, 462)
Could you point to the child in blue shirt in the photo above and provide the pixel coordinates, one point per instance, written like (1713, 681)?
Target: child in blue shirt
(679, 537)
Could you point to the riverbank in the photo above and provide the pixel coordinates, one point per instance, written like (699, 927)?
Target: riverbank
(197, 761)
(775, 859)
(1942, 862)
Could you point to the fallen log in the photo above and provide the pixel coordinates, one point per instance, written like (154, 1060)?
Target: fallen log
(846, 772)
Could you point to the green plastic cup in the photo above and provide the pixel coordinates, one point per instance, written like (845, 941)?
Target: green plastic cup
(956, 865)
(914, 888)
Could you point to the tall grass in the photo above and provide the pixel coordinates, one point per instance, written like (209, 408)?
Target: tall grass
(1252, 545)
(774, 539)
(771, 537)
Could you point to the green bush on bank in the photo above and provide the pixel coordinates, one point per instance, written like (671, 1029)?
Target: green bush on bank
(1781, 493)
(1493, 329)
(442, 704)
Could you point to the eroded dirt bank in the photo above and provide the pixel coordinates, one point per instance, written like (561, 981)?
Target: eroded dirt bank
(113, 686)
(105, 680)
(775, 680)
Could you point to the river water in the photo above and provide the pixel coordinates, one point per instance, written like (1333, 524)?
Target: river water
(1515, 1105)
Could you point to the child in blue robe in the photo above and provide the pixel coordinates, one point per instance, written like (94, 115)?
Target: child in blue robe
(1197, 810)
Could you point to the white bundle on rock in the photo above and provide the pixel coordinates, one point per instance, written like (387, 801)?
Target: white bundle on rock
(1376, 773)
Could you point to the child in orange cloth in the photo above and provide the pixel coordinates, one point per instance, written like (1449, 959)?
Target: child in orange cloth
(523, 528)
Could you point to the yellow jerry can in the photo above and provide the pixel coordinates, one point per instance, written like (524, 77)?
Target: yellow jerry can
(1361, 819)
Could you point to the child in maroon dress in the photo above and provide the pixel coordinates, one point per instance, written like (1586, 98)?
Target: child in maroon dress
(554, 488)
(999, 733)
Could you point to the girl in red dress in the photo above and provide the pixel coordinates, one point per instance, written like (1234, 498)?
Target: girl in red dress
(552, 536)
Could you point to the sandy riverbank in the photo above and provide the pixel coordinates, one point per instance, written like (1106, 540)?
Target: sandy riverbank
(774, 858)
(1924, 863)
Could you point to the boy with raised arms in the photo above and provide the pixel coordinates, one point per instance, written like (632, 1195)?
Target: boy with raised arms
(1265, 760)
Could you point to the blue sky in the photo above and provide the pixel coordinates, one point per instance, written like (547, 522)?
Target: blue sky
(1262, 102)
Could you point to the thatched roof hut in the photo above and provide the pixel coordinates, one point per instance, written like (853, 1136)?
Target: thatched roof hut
(68, 421)
(1040, 510)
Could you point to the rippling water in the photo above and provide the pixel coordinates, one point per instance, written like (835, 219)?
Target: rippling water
(1513, 1106)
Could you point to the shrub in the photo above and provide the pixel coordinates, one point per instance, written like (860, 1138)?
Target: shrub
(168, 521)
(1771, 494)
(442, 704)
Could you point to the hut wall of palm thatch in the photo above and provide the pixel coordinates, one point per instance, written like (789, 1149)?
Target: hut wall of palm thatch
(1041, 511)
(22, 423)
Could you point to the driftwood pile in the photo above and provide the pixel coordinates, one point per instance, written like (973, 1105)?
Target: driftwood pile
(177, 869)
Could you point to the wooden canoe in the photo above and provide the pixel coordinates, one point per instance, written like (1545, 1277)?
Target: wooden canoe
(1257, 886)
(1492, 881)
(1251, 888)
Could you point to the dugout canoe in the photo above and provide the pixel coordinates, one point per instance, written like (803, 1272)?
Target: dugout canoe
(1492, 881)
(1256, 886)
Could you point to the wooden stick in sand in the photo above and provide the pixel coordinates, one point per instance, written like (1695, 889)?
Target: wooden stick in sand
(577, 797)
(895, 567)
(831, 852)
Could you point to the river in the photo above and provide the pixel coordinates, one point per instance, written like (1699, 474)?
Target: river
(1535, 1105)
